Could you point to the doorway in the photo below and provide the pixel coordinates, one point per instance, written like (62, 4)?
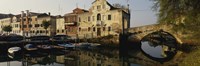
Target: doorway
(98, 31)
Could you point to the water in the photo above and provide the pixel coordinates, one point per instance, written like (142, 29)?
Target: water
(148, 53)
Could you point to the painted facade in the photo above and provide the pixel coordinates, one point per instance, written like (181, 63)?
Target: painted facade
(71, 22)
(60, 26)
(102, 19)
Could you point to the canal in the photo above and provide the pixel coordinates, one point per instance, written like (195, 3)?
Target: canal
(149, 52)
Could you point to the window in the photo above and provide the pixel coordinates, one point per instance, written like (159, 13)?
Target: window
(98, 7)
(94, 29)
(35, 19)
(109, 28)
(40, 31)
(98, 16)
(79, 19)
(88, 18)
(24, 26)
(57, 31)
(37, 25)
(104, 28)
(29, 19)
(41, 25)
(30, 26)
(109, 17)
(63, 31)
(79, 29)
(16, 25)
(89, 28)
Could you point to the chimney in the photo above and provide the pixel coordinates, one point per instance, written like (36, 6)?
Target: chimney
(27, 12)
(49, 13)
(22, 15)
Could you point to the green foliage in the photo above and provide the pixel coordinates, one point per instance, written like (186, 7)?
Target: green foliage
(182, 14)
(7, 28)
(177, 11)
(46, 24)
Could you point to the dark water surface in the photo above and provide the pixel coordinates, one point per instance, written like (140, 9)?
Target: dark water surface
(148, 53)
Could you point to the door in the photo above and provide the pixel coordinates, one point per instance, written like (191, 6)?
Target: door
(98, 31)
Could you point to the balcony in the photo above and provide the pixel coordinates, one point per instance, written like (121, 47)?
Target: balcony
(100, 23)
(71, 23)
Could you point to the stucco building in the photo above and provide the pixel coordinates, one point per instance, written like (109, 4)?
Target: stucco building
(5, 22)
(60, 26)
(102, 19)
(37, 27)
(71, 22)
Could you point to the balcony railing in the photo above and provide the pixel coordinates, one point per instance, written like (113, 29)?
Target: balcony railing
(100, 23)
(71, 23)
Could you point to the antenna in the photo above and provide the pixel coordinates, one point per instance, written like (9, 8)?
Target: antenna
(128, 6)
(59, 8)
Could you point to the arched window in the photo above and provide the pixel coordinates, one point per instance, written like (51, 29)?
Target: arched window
(98, 16)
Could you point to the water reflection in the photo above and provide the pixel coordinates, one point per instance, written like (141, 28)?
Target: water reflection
(81, 57)
(159, 47)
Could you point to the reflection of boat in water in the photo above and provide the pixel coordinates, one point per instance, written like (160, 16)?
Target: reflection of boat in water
(87, 45)
(14, 50)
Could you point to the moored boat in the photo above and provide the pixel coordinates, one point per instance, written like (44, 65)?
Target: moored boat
(67, 45)
(14, 50)
(30, 47)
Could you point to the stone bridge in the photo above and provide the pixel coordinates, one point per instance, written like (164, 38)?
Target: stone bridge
(137, 33)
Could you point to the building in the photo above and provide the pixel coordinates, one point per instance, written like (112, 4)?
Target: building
(102, 19)
(36, 27)
(60, 26)
(16, 25)
(5, 22)
(71, 22)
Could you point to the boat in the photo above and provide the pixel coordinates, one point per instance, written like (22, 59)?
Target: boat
(14, 50)
(30, 47)
(67, 45)
(45, 47)
(83, 45)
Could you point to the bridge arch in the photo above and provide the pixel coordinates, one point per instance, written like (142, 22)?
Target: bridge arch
(138, 36)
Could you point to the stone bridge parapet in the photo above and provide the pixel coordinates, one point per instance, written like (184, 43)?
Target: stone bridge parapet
(137, 33)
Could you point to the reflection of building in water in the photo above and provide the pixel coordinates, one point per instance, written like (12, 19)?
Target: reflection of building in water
(164, 49)
(87, 58)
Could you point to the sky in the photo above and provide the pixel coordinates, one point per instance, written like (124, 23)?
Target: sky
(141, 10)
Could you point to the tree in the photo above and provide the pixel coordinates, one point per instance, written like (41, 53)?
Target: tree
(46, 24)
(7, 28)
(183, 14)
